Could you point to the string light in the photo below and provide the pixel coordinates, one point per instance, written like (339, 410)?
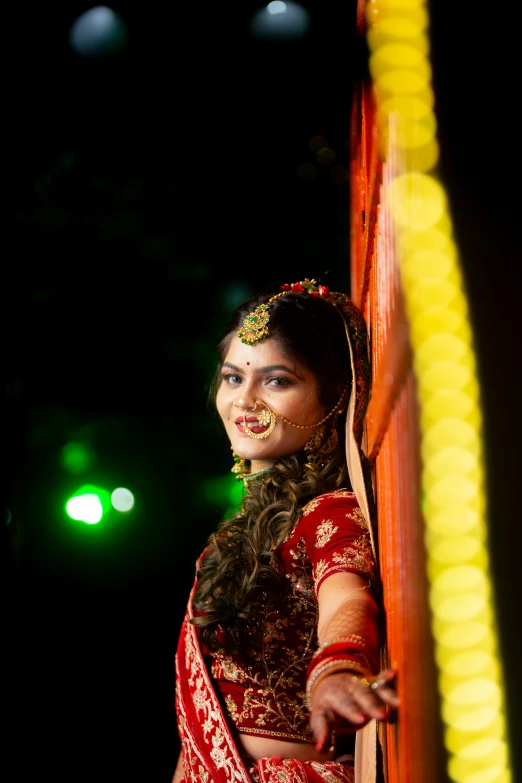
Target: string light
(455, 506)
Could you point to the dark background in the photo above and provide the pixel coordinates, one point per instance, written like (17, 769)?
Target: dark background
(146, 193)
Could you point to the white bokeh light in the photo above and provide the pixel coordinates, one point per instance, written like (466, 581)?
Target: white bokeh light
(280, 21)
(98, 32)
(122, 499)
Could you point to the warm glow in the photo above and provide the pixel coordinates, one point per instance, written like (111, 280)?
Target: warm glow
(453, 485)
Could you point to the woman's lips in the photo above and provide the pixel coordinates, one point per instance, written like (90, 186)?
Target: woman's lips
(253, 425)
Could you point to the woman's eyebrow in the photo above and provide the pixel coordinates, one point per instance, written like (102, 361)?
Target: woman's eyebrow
(267, 368)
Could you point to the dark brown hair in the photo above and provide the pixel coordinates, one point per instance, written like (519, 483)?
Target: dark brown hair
(241, 557)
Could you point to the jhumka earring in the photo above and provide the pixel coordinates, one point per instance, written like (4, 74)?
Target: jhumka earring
(240, 467)
(320, 448)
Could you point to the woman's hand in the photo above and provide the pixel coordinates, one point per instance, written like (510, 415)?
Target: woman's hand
(344, 702)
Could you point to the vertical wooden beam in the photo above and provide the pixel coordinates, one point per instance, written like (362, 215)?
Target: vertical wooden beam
(412, 746)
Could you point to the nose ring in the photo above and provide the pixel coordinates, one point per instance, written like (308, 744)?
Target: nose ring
(265, 418)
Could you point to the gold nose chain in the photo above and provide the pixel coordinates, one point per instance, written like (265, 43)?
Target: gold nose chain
(267, 418)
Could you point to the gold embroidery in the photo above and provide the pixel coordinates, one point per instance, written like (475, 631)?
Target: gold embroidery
(315, 502)
(358, 556)
(274, 672)
(357, 516)
(324, 532)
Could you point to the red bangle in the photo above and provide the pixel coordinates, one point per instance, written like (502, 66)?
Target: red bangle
(344, 650)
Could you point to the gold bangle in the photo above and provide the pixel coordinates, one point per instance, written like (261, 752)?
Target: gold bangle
(329, 667)
(354, 638)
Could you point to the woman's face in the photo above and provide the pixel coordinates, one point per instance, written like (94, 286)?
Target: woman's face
(264, 373)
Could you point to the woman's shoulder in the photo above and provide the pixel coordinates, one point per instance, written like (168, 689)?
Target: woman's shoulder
(340, 498)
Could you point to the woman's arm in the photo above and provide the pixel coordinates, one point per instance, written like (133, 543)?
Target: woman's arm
(350, 698)
(179, 774)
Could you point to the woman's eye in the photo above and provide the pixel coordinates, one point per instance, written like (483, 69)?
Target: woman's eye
(278, 382)
(230, 378)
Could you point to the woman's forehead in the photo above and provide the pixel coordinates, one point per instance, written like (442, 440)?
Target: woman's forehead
(266, 353)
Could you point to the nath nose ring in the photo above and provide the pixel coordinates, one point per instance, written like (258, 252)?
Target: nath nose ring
(265, 418)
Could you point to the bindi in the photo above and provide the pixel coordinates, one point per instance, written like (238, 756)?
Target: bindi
(248, 364)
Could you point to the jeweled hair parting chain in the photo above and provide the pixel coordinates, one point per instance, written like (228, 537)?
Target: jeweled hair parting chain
(255, 325)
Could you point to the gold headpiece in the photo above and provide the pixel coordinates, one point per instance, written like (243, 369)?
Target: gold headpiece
(255, 324)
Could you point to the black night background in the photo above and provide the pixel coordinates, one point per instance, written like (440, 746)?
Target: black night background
(146, 194)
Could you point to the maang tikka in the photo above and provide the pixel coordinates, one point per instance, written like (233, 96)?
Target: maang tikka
(255, 324)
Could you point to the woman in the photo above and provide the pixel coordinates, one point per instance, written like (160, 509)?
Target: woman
(278, 657)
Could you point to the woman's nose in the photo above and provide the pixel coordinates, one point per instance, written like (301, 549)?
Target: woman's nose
(246, 399)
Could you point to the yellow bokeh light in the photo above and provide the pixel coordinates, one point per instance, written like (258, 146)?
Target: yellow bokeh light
(442, 347)
(445, 403)
(491, 748)
(450, 432)
(402, 82)
(408, 108)
(452, 490)
(417, 199)
(471, 719)
(477, 690)
(461, 773)
(426, 293)
(453, 486)
(458, 607)
(451, 460)
(427, 265)
(458, 550)
(421, 158)
(440, 320)
(457, 739)
(463, 635)
(436, 238)
(461, 578)
(378, 10)
(467, 663)
(449, 521)
(398, 56)
(397, 28)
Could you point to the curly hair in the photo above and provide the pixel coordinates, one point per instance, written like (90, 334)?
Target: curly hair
(241, 556)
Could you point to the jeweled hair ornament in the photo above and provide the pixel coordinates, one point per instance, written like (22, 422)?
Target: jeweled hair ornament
(255, 328)
(255, 324)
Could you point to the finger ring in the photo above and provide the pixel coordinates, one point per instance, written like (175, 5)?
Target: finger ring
(377, 684)
(360, 681)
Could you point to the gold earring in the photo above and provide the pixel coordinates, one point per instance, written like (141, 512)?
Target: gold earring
(240, 467)
(320, 447)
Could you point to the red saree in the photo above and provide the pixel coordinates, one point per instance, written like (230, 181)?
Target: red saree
(208, 748)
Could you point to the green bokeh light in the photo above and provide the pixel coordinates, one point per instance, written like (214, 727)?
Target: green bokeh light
(76, 457)
(89, 504)
(224, 492)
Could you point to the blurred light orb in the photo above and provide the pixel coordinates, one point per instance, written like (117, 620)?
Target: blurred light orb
(280, 21)
(307, 172)
(98, 32)
(76, 457)
(122, 499)
(85, 508)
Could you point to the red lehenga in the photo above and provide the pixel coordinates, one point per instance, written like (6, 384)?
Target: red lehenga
(331, 536)
(209, 752)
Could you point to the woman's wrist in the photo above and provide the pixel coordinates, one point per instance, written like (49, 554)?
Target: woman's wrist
(333, 665)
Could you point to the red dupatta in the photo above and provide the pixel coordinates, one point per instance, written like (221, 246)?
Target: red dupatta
(209, 752)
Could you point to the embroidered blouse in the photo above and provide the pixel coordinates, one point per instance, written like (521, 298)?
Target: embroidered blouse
(263, 691)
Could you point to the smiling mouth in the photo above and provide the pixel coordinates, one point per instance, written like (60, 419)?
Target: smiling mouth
(253, 423)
